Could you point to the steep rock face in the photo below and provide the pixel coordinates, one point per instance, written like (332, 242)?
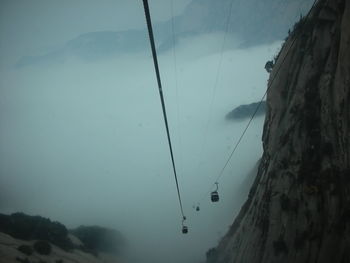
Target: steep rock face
(298, 209)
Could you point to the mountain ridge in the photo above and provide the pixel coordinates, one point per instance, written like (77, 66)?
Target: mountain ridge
(199, 17)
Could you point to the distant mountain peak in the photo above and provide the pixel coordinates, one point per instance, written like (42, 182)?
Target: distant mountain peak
(250, 20)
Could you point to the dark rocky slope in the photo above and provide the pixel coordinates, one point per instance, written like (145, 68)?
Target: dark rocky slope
(298, 209)
(25, 227)
(31, 239)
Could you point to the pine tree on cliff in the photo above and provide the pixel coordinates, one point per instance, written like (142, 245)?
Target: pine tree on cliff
(298, 209)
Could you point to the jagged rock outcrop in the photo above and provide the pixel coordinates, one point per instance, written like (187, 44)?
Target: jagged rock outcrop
(246, 111)
(298, 209)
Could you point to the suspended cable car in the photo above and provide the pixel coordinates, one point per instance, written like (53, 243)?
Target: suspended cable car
(156, 67)
(196, 207)
(184, 228)
(215, 195)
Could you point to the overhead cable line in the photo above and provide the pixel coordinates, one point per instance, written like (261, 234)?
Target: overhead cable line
(216, 82)
(257, 108)
(156, 67)
(176, 79)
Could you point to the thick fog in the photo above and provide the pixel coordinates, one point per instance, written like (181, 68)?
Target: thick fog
(84, 142)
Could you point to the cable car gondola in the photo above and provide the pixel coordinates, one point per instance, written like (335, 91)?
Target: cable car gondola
(214, 196)
(184, 228)
(196, 207)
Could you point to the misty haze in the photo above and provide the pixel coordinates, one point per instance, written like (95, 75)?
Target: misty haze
(82, 134)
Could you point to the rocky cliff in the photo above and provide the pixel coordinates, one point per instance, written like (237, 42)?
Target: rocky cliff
(298, 209)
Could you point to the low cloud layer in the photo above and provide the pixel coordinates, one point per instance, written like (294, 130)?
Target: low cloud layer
(85, 143)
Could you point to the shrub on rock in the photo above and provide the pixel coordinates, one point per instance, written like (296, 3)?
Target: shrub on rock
(27, 227)
(25, 249)
(102, 239)
(42, 247)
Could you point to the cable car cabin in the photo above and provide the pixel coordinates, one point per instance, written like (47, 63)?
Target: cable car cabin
(214, 196)
(197, 208)
(184, 230)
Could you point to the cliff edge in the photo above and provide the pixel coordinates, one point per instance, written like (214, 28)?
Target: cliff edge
(298, 209)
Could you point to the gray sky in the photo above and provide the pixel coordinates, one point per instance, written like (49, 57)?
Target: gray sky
(85, 143)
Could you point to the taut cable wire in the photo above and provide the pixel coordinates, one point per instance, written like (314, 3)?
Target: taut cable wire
(156, 67)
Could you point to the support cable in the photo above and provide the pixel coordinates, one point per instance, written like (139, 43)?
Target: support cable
(176, 83)
(156, 67)
(257, 108)
(213, 95)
